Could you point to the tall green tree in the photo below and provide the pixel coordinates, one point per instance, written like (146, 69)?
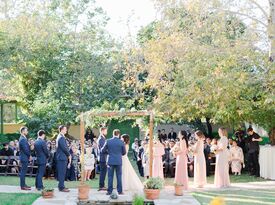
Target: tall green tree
(61, 57)
(204, 65)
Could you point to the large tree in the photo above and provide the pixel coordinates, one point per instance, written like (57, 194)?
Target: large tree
(60, 56)
(203, 64)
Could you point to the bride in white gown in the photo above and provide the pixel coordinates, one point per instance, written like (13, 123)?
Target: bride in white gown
(130, 179)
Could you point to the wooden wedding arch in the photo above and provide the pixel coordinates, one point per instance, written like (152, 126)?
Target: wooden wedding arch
(141, 113)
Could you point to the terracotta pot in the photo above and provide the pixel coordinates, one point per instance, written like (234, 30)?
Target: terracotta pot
(152, 194)
(83, 192)
(178, 190)
(47, 194)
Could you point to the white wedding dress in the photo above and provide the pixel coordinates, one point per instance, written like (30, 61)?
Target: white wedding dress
(130, 179)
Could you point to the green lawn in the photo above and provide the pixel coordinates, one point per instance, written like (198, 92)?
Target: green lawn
(49, 183)
(17, 199)
(238, 197)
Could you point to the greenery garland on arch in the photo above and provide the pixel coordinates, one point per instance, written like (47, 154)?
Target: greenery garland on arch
(98, 117)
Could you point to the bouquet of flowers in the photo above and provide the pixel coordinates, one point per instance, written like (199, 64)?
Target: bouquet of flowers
(176, 148)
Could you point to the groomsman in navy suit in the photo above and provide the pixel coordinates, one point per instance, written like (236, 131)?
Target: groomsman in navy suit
(102, 158)
(24, 156)
(62, 157)
(42, 154)
(115, 148)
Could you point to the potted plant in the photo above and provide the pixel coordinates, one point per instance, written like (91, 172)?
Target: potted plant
(47, 193)
(83, 189)
(178, 189)
(152, 187)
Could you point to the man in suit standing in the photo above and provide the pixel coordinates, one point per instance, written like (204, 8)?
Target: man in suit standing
(253, 152)
(172, 135)
(62, 157)
(207, 151)
(24, 156)
(42, 154)
(115, 149)
(139, 159)
(102, 158)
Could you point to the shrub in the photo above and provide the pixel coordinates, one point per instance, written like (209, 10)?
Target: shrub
(154, 183)
(138, 200)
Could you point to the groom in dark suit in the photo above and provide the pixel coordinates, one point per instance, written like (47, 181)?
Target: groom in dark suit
(115, 149)
(25, 157)
(42, 155)
(62, 157)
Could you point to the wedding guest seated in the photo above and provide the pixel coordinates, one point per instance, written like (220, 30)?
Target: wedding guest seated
(32, 150)
(6, 151)
(162, 136)
(172, 135)
(73, 165)
(170, 160)
(49, 166)
(214, 145)
(135, 148)
(190, 164)
(13, 147)
(236, 158)
(207, 150)
(230, 142)
(89, 135)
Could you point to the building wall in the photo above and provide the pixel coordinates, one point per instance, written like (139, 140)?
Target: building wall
(12, 128)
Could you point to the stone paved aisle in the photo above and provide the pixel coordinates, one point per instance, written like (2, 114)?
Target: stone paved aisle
(167, 195)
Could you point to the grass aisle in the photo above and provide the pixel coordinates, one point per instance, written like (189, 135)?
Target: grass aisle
(17, 198)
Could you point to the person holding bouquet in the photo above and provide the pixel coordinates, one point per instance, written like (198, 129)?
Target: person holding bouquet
(199, 160)
(222, 161)
(180, 152)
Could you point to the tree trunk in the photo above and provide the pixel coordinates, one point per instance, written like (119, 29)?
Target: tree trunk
(272, 136)
(209, 128)
(271, 30)
(199, 125)
(271, 37)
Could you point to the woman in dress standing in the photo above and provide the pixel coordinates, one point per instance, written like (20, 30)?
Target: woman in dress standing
(130, 179)
(222, 160)
(181, 175)
(199, 161)
(158, 151)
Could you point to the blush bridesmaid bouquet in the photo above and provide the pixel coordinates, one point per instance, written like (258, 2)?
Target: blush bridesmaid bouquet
(176, 149)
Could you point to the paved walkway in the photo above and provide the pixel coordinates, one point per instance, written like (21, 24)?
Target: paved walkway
(167, 195)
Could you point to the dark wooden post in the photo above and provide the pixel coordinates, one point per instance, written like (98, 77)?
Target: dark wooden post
(151, 133)
(82, 131)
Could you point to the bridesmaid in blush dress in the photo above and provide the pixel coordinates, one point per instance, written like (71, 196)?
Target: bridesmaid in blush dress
(199, 161)
(222, 161)
(158, 151)
(181, 175)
